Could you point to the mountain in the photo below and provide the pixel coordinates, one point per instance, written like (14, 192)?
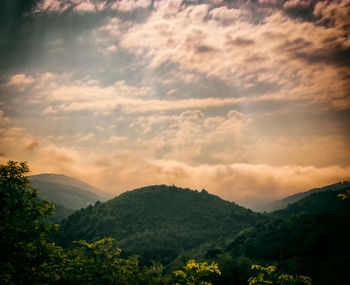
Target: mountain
(67, 193)
(283, 203)
(70, 181)
(317, 203)
(158, 222)
(309, 237)
(68, 196)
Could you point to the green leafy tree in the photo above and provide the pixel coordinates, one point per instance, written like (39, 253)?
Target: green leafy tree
(24, 247)
(269, 275)
(99, 263)
(196, 273)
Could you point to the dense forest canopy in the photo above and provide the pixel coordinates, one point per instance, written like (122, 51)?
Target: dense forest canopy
(158, 222)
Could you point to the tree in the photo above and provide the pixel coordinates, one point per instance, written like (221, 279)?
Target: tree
(195, 273)
(99, 263)
(24, 248)
(269, 275)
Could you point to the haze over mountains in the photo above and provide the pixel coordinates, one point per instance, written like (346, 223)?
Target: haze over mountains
(70, 181)
(67, 193)
(75, 194)
(283, 203)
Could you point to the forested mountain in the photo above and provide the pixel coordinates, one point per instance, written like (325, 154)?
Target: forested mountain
(171, 225)
(283, 203)
(158, 222)
(325, 202)
(310, 237)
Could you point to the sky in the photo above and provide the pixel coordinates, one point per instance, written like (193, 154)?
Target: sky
(247, 99)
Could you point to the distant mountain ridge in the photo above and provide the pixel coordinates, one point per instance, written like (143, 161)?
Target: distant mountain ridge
(283, 203)
(68, 180)
(67, 193)
(68, 196)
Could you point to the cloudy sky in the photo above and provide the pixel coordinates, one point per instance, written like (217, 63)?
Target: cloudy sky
(247, 99)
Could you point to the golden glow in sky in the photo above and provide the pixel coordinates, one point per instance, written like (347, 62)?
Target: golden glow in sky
(247, 99)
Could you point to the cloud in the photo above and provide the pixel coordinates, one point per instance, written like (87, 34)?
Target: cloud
(91, 6)
(270, 2)
(191, 136)
(130, 5)
(63, 95)
(86, 6)
(49, 5)
(122, 170)
(41, 153)
(112, 48)
(334, 14)
(3, 119)
(115, 139)
(244, 99)
(298, 4)
(83, 138)
(32, 145)
(239, 182)
(20, 80)
(290, 54)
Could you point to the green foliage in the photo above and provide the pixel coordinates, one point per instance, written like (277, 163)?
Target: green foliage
(195, 273)
(99, 263)
(23, 235)
(345, 194)
(60, 214)
(269, 275)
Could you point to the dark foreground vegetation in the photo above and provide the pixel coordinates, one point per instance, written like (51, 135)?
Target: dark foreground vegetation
(170, 235)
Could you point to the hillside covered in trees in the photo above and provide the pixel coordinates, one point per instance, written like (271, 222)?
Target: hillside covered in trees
(158, 222)
(168, 224)
(171, 235)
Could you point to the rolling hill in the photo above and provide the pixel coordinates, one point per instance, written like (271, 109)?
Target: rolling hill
(158, 222)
